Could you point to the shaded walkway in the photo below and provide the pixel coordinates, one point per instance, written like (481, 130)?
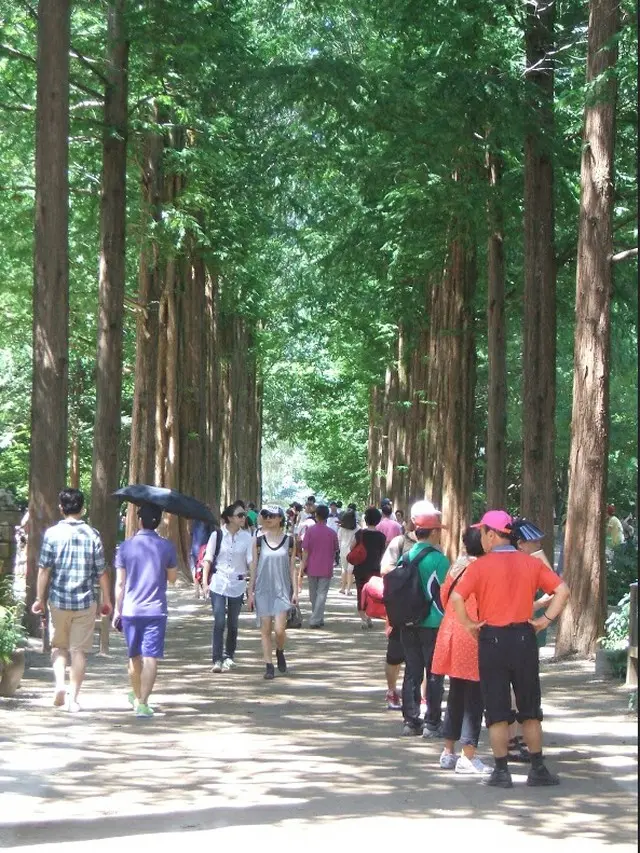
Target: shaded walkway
(249, 759)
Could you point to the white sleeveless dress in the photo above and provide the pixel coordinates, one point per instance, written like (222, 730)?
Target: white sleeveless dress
(273, 579)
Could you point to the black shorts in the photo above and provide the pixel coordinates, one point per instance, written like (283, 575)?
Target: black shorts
(395, 649)
(509, 657)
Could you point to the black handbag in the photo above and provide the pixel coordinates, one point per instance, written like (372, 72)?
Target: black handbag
(294, 617)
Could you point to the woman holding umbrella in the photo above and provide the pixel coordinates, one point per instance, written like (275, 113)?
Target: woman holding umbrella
(227, 561)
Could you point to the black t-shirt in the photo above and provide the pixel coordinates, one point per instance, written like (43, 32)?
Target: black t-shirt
(375, 542)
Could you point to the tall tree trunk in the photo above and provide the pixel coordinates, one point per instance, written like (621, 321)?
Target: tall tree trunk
(142, 448)
(539, 321)
(456, 339)
(585, 572)
(496, 473)
(106, 434)
(48, 451)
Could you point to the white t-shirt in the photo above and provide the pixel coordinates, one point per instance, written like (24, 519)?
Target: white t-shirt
(333, 522)
(234, 559)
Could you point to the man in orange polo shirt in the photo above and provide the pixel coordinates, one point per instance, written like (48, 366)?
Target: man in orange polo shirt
(504, 582)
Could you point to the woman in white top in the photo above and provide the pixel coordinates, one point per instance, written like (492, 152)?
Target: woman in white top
(227, 564)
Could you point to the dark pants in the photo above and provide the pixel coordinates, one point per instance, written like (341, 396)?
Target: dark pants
(223, 606)
(508, 657)
(419, 644)
(463, 717)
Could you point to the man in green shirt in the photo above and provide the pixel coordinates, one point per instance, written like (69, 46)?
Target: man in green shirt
(419, 641)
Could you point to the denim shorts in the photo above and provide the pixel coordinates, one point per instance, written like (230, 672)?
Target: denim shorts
(144, 635)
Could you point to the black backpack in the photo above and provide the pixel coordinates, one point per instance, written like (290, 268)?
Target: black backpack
(403, 594)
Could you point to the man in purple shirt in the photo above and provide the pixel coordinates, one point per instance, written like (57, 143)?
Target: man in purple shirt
(388, 526)
(319, 548)
(144, 564)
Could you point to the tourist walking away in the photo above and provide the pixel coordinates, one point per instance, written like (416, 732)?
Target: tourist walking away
(419, 636)
(395, 653)
(333, 521)
(200, 533)
(456, 655)
(504, 582)
(388, 525)
(346, 539)
(374, 543)
(70, 565)
(145, 563)
(272, 585)
(319, 547)
(227, 563)
(614, 530)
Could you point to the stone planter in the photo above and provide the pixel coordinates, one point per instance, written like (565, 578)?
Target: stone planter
(11, 673)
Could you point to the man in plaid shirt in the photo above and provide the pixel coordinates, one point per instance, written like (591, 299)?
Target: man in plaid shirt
(71, 561)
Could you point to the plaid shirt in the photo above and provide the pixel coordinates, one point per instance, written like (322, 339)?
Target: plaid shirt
(73, 553)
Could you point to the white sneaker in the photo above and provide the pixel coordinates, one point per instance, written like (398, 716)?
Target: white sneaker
(217, 667)
(227, 664)
(448, 760)
(471, 767)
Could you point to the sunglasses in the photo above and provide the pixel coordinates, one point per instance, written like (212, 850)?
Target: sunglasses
(264, 514)
(239, 514)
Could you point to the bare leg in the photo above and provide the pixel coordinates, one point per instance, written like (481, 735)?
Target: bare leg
(76, 675)
(469, 750)
(135, 671)
(147, 678)
(59, 663)
(499, 737)
(349, 582)
(392, 672)
(532, 730)
(266, 626)
(280, 632)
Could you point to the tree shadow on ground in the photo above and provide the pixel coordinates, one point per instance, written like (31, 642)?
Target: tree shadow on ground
(234, 750)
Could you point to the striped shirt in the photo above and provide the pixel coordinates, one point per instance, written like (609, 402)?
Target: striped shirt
(73, 553)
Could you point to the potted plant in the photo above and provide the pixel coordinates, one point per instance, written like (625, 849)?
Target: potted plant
(12, 642)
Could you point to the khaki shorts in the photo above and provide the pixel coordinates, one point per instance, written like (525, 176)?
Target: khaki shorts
(72, 630)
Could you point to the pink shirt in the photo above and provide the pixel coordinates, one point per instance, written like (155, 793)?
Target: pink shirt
(321, 544)
(390, 528)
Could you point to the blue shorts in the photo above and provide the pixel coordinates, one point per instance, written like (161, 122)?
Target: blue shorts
(144, 635)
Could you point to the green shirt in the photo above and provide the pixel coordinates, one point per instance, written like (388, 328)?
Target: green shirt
(433, 570)
(252, 517)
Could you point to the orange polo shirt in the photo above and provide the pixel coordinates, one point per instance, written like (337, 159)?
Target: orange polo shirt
(505, 584)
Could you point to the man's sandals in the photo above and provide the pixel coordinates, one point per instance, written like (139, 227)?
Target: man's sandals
(518, 750)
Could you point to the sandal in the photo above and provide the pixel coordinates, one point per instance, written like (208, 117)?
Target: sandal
(518, 750)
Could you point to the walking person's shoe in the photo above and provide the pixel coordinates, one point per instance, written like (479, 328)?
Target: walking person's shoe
(518, 750)
(132, 700)
(499, 778)
(281, 660)
(411, 730)
(430, 732)
(73, 706)
(316, 624)
(59, 698)
(394, 702)
(449, 760)
(144, 710)
(472, 766)
(217, 666)
(342, 591)
(366, 624)
(541, 777)
(227, 664)
(270, 672)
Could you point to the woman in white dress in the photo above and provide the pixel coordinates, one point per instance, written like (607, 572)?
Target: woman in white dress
(346, 539)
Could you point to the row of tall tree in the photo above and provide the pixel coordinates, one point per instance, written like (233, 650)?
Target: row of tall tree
(302, 214)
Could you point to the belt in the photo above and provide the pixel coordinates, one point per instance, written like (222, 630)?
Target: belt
(517, 625)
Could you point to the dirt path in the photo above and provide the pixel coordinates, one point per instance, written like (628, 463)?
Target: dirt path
(236, 760)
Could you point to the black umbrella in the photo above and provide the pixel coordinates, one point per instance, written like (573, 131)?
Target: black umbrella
(168, 499)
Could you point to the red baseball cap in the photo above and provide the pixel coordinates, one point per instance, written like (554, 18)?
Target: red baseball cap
(496, 519)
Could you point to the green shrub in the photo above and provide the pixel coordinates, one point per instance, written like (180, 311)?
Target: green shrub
(12, 634)
(616, 627)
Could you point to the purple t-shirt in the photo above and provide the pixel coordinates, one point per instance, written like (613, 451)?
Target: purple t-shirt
(146, 557)
(321, 544)
(390, 528)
